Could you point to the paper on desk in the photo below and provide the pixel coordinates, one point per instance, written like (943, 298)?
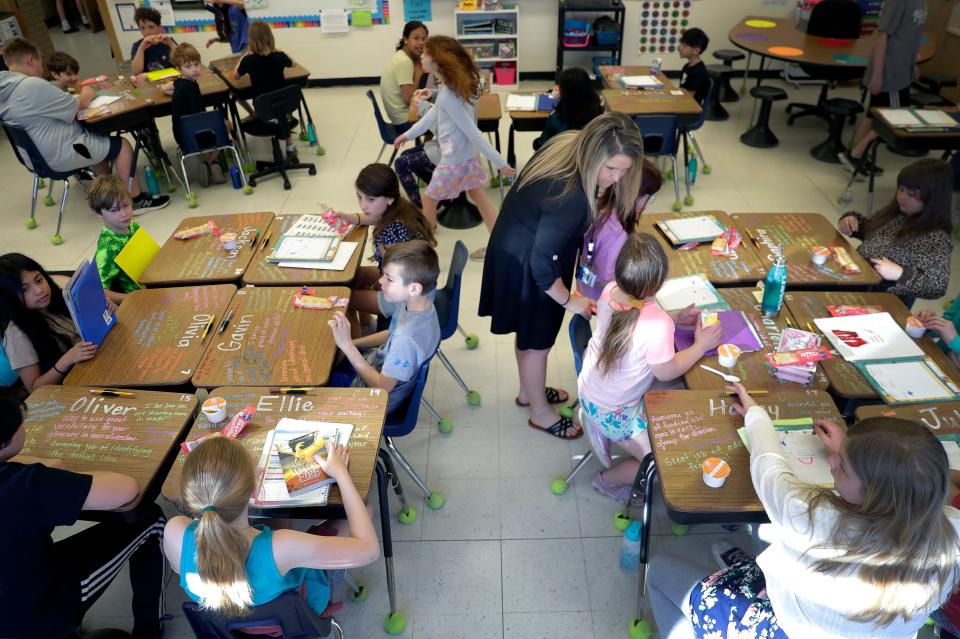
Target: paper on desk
(338, 263)
(900, 117)
(953, 453)
(643, 81)
(936, 117)
(102, 100)
(521, 102)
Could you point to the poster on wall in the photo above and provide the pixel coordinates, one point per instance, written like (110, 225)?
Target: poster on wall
(291, 14)
(417, 10)
(661, 24)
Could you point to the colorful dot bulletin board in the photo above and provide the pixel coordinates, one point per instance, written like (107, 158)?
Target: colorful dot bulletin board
(662, 22)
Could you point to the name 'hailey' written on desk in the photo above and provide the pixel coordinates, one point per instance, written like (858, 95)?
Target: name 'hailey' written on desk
(674, 428)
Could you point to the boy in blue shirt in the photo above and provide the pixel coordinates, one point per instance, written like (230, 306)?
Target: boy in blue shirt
(152, 51)
(410, 272)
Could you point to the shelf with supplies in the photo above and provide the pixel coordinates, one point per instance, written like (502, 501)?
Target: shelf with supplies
(492, 36)
(590, 25)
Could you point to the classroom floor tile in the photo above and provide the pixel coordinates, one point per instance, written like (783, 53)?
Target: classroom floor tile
(504, 557)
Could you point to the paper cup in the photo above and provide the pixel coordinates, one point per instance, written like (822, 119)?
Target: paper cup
(715, 472)
(215, 409)
(914, 327)
(728, 354)
(819, 255)
(708, 318)
(229, 240)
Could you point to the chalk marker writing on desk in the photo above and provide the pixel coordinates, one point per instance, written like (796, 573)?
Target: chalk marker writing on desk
(237, 334)
(194, 329)
(934, 418)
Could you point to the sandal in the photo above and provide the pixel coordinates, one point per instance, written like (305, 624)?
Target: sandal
(554, 396)
(560, 428)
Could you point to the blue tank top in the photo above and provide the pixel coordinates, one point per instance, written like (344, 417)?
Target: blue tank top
(265, 580)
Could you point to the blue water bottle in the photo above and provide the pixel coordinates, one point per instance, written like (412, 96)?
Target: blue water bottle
(774, 286)
(692, 169)
(630, 548)
(152, 185)
(235, 177)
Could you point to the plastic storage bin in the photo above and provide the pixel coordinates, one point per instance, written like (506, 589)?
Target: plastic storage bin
(505, 73)
(576, 33)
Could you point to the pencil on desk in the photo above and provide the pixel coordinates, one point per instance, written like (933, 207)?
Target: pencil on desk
(789, 323)
(226, 321)
(266, 239)
(253, 240)
(206, 329)
(290, 390)
(751, 236)
(107, 392)
(752, 393)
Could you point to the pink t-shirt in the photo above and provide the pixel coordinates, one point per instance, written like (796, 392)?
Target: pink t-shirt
(625, 385)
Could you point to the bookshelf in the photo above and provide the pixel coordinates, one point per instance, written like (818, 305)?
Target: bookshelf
(493, 38)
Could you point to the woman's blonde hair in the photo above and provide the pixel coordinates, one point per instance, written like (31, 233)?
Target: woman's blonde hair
(641, 268)
(217, 481)
(898, 539)
(576, 156)
(260, 38)
(456, 66)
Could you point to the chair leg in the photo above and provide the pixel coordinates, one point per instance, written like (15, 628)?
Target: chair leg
(699, 152)
(394, 480)
(335, 629)
(405, 465)
(393, 156)
(49, 200)
(676, 184)
(32, 222)
(186, 179)
(587, 456)
(453, 372)
(63, 205)
(380, 154)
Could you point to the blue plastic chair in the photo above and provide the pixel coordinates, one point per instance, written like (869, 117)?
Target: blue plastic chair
(401, 421)
(660, 137)
(36, 164)
(580, 334)
(288, 611)
(201, 133)
(388, 131)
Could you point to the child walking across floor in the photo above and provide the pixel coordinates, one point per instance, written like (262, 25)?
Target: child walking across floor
(909, 241)
(633, 345)
(227, 565)
(454, 118)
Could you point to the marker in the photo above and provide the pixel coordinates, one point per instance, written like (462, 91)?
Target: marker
(290, 390)
(253, 240)
(752, 238)
(207, 327)
(266, 239)
(749, 392)
(106, 392)
(226, 321)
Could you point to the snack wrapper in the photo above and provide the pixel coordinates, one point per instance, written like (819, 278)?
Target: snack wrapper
(842, 310)
(232, 430)
(726, 244)
(801, 356)
(843, 258)
(306, 298)
(210, 227)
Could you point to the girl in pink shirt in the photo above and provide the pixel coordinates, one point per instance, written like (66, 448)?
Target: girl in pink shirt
(633, 344)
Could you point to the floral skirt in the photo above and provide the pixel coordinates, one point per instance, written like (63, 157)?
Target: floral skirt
(450, 180)
(733, 604)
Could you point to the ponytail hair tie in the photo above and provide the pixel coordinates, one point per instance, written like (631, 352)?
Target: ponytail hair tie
(207, 509)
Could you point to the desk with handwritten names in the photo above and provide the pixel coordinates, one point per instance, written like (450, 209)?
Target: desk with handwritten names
(751, 368)
(203, 260)
(686, 427)
(260, 272)
(137, 436)
(721, 271)
(797, 233)
(365, 408)
(158, 338)
(270, 342)
(943, 418)
(845, 380)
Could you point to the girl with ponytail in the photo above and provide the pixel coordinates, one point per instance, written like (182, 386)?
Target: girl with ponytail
(633, 344)
(227, 565)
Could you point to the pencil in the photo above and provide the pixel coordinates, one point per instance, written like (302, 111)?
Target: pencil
(751, 236)
(207, 327)
(290, 390)
(789, 323)
(106, 392)
(253, 240)
(226, 321)
(749, 392)
(266, 239)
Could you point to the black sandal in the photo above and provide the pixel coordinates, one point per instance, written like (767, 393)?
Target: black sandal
(553, 397)
(560, 428)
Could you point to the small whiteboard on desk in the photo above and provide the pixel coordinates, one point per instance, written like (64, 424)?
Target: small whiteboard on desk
(641, 81)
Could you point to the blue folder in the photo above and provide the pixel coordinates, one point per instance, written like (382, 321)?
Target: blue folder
(87, 303)
(546, 102)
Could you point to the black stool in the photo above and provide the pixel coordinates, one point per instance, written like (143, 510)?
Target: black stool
(714, 109)
(837, 110)
(928, 88)
(728, 57)
(760, 136)
(458, 213)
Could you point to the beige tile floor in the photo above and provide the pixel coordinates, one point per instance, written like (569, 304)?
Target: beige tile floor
(504, 557)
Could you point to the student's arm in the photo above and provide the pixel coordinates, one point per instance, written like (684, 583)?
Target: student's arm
(427, 122)
(929, 276)
(23, 358)
(240, 71)
(136, 63)
(114, 296)
(372, 341)
(86, 96)
(167, 88)
(704, 339)
(851, 224)
(294, 549)
(370, 376)
(879, 54)
(173, 540)
(30, 459)
(109, 271)
(110, 490)
(406, 92)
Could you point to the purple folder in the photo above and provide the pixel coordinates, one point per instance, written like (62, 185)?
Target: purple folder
(736, 330)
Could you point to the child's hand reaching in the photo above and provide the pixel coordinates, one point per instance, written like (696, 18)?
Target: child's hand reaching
(508, 171)
(744, 401)
(400, 141)
(707, 338)
(848, 224)
(580, 305)
(940, 325)
(81, 352)
(887, 269)
(830, 434)
(341, 329)
(336, 464)
(423, 95)
(687, 316)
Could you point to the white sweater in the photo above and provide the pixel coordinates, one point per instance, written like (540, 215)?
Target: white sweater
(809, 604)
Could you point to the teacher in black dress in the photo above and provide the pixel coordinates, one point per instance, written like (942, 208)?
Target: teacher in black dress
(532, 251)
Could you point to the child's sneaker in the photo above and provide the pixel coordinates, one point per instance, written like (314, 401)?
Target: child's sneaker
(146, 203)
(727, 555)
(619, 492)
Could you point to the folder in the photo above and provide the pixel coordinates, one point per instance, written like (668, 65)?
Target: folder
(87, 303)
(136, 256)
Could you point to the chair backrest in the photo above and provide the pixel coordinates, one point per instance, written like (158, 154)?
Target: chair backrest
(288, 611)
(203, 131)
(711, 87)
(403, 419)
(659, 133)
(839, 19)
(447, 300)
(580, 334)
(24, 146)
(388, 133)
(276, 106)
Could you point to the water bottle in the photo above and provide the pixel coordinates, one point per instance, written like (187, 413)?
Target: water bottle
(655, 66)
(630, 549)
(692, 170)
(235, 176)
(774, 286)
(152, 185)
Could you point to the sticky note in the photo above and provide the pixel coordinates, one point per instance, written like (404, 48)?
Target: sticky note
(137, 254)
(361, 18)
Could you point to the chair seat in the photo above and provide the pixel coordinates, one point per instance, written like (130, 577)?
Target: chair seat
(767, 92)
(729, 55)
(938, 81)
(841, 106)
(260, 128)
(925, 99)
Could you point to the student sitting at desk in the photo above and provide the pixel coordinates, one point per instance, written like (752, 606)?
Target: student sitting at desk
(152, 51)
(946, 328)
(694, 77)
(39, 338)
(403, 74)
(230, 19)
(579, 103)
(909, 241)
(46, 588)
(394, 358)
(63, 70)
(871, 559)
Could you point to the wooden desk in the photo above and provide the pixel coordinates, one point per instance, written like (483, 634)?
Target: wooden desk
(751, 368)
(845, 380)
(365, 408)
(260, 272)
(488, 109)
(639, 102)
(797, 233)
(686, 427)
(722, 271)
(943, 418)
(270, 342)
(610, 75)
(138, 436)
(202, 260)
(529, 121)
(224, 67)
(156, 341)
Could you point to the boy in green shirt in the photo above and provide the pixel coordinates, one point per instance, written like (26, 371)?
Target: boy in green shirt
(111, 200)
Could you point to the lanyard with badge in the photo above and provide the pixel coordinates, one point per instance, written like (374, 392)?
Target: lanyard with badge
(585, 271)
